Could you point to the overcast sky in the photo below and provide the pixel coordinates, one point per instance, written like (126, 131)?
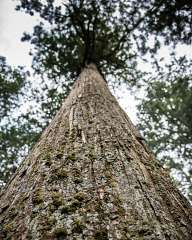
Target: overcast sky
(13, 24)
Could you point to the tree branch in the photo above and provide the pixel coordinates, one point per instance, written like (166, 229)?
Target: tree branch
(152, 11)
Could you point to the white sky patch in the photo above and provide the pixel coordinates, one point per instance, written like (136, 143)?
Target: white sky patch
(12, 26)
(127, 101)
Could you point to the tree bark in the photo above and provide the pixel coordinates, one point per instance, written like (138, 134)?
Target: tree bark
(91, 176)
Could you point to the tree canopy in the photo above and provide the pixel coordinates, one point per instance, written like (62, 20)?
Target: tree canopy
(109, 33)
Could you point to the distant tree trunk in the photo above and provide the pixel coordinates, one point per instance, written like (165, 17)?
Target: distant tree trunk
(91, 176)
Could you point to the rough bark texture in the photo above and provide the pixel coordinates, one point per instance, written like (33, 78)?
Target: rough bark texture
(91, 177)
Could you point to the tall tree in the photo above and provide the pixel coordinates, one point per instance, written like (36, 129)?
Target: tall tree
(91, 176)
(109, 33)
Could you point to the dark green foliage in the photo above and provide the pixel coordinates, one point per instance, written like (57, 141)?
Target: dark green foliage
(20, 128)
(11, 83)
(15, 140)
(173, 21)
(165, 116)
(14, 133)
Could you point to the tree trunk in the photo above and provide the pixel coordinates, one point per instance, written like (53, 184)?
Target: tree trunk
(91, 176)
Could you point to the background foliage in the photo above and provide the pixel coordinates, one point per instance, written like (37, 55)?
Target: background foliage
(165, 120)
